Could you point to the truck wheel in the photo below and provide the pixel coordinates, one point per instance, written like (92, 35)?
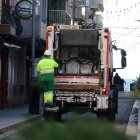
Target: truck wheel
(114, 100)
(55, 116)
(110, 115)
(101, 115)
(58, 116)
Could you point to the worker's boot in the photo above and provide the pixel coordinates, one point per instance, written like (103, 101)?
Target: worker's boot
(48, 99)
(49, 104)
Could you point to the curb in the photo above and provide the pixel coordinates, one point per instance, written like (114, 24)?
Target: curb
(133, 126)
(138, 129)
(18, 124)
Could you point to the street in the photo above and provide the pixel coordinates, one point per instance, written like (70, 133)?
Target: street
(62, 64)
(126, 101)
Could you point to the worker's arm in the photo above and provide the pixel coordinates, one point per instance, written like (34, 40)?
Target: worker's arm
(55, 64)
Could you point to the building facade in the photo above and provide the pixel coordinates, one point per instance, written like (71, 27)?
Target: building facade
(16, 50)
(71, 12)
(12, 58)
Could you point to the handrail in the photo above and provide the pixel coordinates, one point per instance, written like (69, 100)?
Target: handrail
(58, 17)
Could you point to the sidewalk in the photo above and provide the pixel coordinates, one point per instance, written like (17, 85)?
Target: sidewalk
(11, 118)
(133, 127)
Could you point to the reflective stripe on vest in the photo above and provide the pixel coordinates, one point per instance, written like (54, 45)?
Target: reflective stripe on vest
(46, 70)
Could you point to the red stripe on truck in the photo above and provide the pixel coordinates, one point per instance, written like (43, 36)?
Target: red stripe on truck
(107, 62)
(91, 77)
(47, 40)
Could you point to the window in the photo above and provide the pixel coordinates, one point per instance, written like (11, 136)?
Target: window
(6, 2)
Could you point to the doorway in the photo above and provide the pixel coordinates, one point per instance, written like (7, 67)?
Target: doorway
(3, 77)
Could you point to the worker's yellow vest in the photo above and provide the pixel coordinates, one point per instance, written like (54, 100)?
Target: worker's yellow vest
(46, 65)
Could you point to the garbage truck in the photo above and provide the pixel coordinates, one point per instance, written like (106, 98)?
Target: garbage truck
(84, 78)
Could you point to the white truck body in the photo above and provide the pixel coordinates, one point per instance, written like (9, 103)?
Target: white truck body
(85, 74)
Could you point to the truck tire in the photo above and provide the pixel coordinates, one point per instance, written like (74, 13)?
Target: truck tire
(115, 100)
(108, 115)
(101, 115)
(55, 116)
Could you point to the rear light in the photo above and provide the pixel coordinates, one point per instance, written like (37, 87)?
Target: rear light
(49, 29)
(103, 91)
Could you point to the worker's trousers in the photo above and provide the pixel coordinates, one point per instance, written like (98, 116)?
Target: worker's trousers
(47, 81)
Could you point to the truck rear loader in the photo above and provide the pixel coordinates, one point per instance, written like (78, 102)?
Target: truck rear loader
(84, 79)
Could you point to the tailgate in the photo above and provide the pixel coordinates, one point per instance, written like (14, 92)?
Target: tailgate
(77, 83)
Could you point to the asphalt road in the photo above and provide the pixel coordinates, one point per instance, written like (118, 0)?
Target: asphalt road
(126, 101)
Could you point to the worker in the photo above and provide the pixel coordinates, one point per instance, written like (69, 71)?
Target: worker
(46, 69)
(122, 84)
(117, 80)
